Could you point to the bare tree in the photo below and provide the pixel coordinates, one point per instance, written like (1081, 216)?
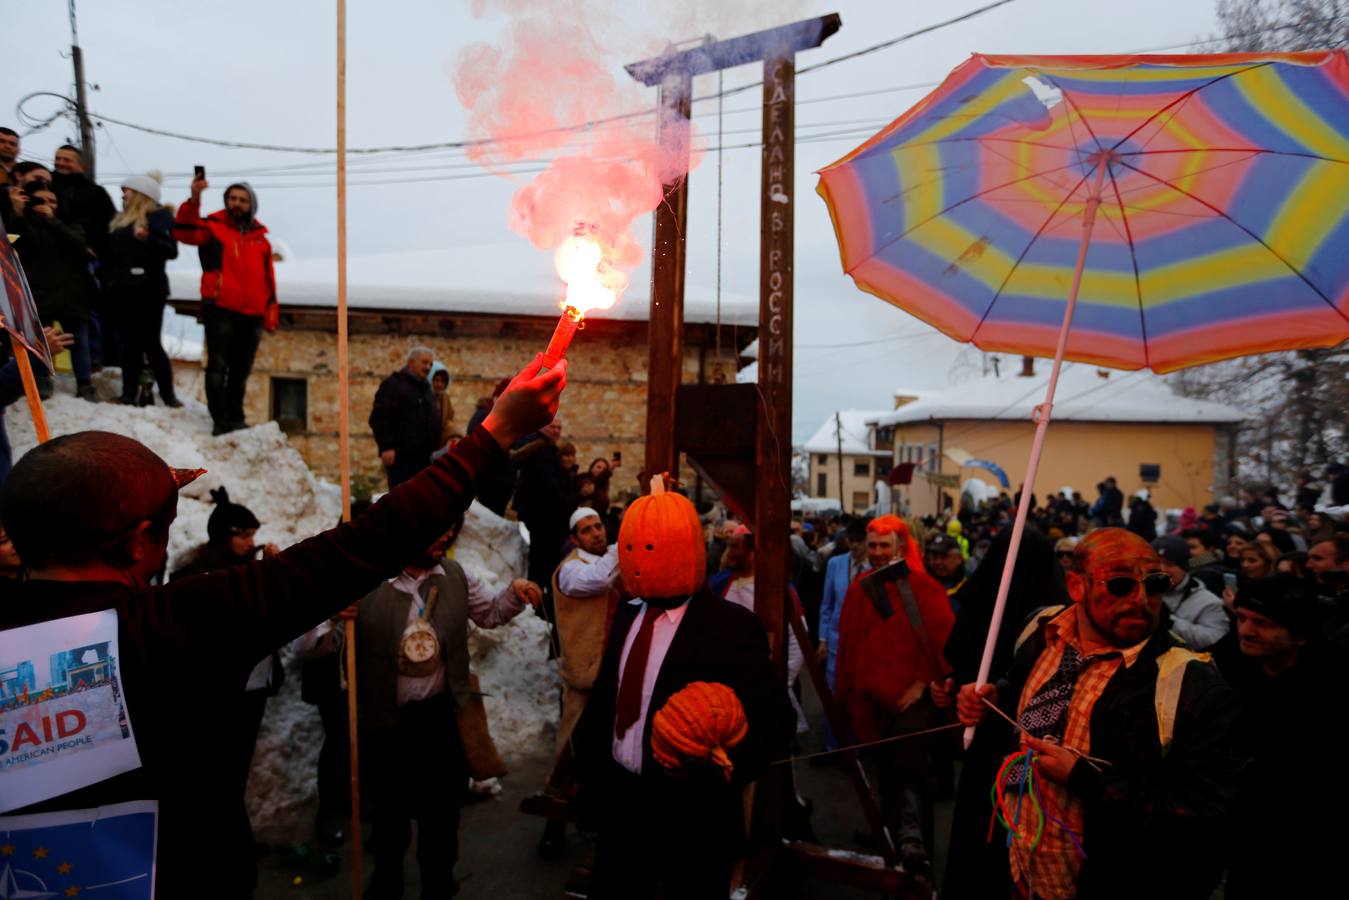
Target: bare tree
(1297, 399)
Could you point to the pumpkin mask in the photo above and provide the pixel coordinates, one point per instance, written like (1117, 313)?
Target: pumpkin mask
(660, 545)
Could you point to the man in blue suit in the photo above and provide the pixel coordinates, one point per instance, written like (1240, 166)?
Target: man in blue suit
(842, 569)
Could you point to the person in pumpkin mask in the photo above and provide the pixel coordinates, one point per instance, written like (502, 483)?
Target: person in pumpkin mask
(412, 657)
(686, 711)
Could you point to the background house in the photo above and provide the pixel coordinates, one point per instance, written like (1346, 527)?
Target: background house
(485, 310)
(862, 462)
(1126, 424)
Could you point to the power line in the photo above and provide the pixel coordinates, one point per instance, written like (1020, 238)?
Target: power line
(479, 142)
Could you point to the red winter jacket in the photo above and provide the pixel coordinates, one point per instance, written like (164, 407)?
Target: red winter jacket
(236, 263)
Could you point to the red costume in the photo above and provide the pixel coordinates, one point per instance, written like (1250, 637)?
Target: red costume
(880, 658)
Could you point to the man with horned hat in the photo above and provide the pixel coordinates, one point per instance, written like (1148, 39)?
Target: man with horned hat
(183, 649)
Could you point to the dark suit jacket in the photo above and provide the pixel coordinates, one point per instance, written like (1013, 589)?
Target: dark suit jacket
(716, 641)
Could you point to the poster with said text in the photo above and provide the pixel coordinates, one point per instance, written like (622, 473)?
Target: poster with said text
(63, 718)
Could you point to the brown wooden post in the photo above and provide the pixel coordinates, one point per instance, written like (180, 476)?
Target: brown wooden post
(773, 443)
(665, 359)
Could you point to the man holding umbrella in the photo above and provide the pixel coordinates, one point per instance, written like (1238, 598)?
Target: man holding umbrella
(1104, 676)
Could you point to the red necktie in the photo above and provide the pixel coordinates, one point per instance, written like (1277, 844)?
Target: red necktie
(630, 688)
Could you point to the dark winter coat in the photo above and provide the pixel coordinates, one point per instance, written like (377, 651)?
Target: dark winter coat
(135, 268)
(85, 203)
(404, 419)
(188, 646)
(56, 261)
(1280, 842)
(236, 260)
(1143, 519)
(1147, 799)
(717, 642)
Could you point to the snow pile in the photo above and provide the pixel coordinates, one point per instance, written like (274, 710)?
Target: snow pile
(258, 467)
(265, 474)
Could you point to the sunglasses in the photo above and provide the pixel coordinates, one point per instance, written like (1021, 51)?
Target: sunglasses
(1064, 554)
(1124, 585)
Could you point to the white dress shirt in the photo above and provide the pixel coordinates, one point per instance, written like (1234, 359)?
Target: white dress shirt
(741, 593)
(588, 575)
(628, 750)
(485, 611)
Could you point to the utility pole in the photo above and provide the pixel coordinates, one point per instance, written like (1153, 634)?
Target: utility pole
(81, 107)
(838, 430)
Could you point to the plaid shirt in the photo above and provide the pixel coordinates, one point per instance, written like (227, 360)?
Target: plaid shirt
(1051, 872)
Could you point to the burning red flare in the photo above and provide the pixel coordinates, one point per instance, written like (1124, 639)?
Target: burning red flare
(592, 283)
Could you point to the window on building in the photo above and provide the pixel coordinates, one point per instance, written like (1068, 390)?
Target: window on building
(860, 500)
(821, 485)
(822, 459)
(862, 468)
(933, 462)
(290, 404)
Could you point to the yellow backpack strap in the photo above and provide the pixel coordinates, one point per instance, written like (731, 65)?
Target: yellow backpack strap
(1170, 677)
(1036, 618)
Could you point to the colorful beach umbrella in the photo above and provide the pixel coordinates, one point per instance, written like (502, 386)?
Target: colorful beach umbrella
(1221, 229)
(1127, 211)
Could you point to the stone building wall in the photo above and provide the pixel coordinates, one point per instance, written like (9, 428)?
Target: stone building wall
(603, 410)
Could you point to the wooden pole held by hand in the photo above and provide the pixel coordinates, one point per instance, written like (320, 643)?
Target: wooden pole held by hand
(30, 390)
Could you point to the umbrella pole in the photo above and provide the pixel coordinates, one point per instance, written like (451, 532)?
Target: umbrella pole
(1042, 414)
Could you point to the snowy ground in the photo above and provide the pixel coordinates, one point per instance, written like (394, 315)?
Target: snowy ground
(265, 474)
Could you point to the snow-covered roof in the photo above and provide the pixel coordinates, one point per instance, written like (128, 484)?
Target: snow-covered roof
(1085, 393)
(854, 421)
(503, 278)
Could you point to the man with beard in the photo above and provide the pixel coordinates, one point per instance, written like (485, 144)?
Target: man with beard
(407, 702)
(210, 629)
(1104, 676)
(889, 647)
(238, 288)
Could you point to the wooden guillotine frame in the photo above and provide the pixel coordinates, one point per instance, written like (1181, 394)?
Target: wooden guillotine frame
(738, 436)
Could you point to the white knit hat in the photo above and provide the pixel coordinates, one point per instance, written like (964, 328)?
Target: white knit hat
(147, 184)
(583, 512)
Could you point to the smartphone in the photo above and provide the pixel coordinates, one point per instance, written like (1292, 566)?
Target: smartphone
(618, 456)
(1230, 580)
(199, 172)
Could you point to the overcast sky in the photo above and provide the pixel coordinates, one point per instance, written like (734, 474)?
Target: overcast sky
(263, 71)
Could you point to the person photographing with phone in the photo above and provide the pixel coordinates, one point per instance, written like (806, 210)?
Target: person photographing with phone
(238, 292)
(55, 258)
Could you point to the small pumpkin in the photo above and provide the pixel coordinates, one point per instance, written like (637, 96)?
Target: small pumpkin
(700, 722)
(660, 545)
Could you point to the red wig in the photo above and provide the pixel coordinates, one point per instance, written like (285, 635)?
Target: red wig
(906, 547)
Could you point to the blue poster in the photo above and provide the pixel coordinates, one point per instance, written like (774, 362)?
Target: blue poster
(102, 854)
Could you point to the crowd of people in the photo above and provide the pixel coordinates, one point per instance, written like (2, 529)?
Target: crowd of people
(1240, 616)
(98, 275)
(1158, 719)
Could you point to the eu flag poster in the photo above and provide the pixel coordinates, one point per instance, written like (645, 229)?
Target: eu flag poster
(100, 854)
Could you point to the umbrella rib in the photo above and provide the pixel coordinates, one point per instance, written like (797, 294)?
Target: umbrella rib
(1029, 244)
(1133, 256)
(1251, 150)
(1183, 98)
(1253, 236)
(975, 196)
(1067, 98)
